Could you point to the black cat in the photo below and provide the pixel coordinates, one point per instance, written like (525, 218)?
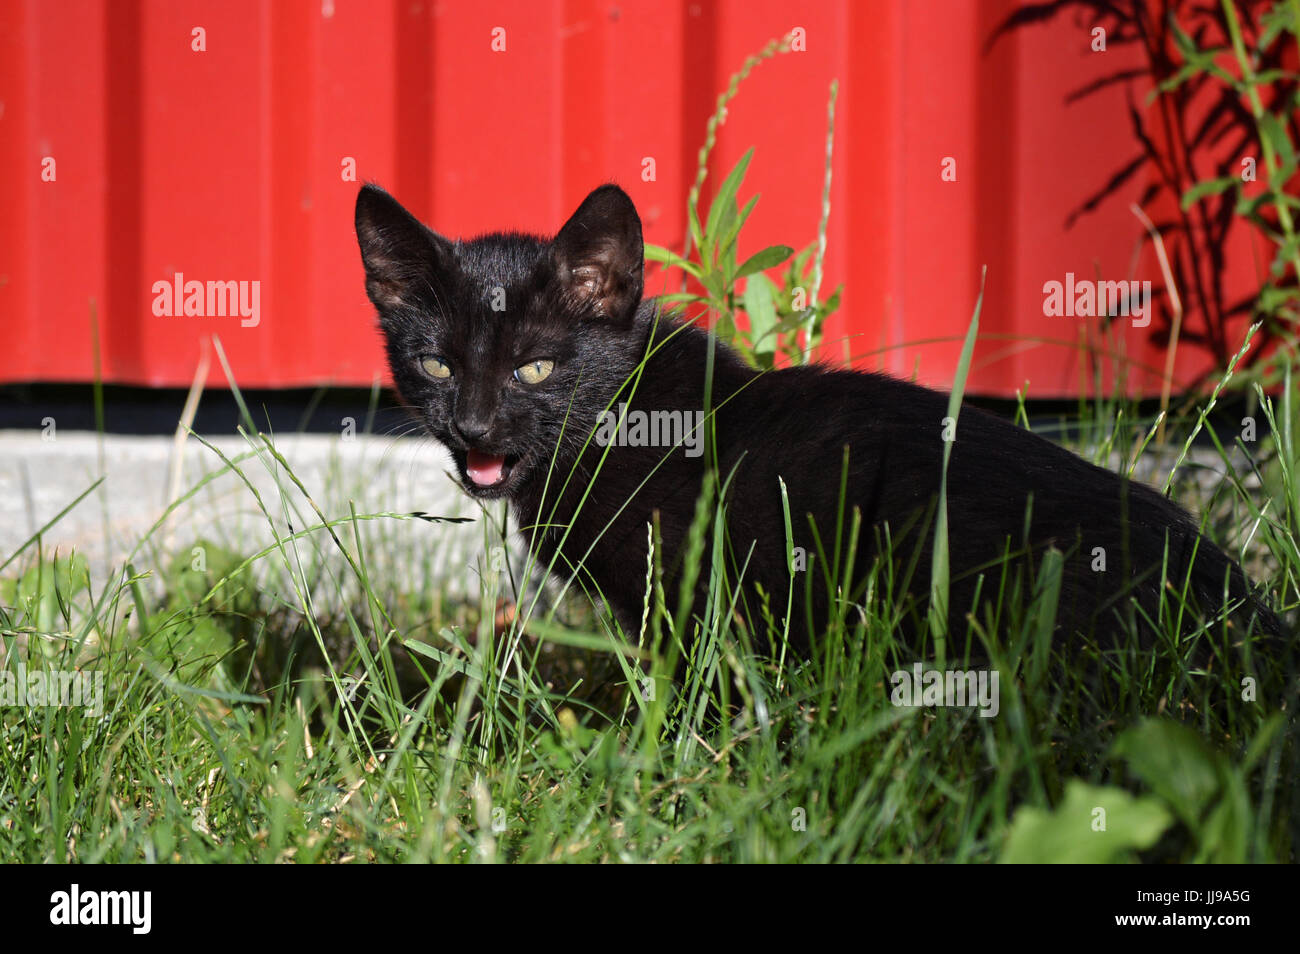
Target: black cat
(539, 367)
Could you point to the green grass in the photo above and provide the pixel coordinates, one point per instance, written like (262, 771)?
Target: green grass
(289, 702)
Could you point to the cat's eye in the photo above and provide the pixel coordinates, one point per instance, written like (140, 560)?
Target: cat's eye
(534, 372)
(435, 367)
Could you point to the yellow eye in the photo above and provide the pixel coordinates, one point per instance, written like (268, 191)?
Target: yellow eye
(435, 367)
(535, 372)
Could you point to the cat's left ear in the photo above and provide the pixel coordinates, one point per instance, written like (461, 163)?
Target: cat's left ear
(599, 254)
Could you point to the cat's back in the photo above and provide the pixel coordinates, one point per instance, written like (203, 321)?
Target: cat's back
(798, 424)
(874, 414)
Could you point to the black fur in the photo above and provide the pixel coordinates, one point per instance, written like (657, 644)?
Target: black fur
(576, 301)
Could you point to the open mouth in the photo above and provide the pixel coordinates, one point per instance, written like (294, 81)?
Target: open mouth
(486, 471)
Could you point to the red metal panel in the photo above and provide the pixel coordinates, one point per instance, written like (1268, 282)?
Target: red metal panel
(228, 165)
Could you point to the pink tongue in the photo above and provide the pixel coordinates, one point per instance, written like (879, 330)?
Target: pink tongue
(484, 469)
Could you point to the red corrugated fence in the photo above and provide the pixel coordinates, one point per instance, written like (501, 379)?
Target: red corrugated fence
(128, 156)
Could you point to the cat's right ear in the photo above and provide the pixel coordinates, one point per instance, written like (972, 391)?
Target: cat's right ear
(397, 249)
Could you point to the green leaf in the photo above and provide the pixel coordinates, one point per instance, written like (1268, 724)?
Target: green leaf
(1273, 130)
(188, 585)
(800, 261)
(1175, 763)
(723, 209)
(191, 642)
(459, 663)
(759, 261)
(1225, 837)
(1186, 45)
(1248, 205)
(832, 304)
(728, 241)
(1072, 834)
(1203, 60)
(1285, 253)
(657, 253)
(1207, 188)
(678, 298)
(1178, 79)
(760, 305)
(1274, 22)
(713, 284)
(939, 569)
(693, 219)
(1269, 77)
(1260, 743)
(1271, 299)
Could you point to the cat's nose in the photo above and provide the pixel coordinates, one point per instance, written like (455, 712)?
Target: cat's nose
(470, 429)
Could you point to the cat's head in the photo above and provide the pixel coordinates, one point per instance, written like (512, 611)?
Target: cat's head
(507, 344)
